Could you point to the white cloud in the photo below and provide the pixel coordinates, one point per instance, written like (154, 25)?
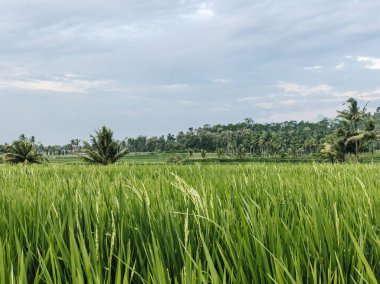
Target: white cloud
(135, 113)
(59, 85)
(200, 12)
(296, 89)
(225, 107)
(372, 95)
(128, 112)
(316, 67)
(340, 66)
(204, 10)
(174, 86)
(371, 62)
(306, 115)
(185, 102)
(264, 105)
(151, 49)
(118, 32)
(246, 99)
(289, 102)
(220, 81)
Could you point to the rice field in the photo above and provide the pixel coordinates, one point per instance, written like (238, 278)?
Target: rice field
(251, 223)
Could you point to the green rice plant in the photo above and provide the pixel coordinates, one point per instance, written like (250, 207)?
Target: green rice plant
(241, 223)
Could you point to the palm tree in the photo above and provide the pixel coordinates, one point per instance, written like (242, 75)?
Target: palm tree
(103, 148)
(329, 152)
(368, 134)
(353, 114)
(23, 151)
(352, 117)
(240, 152)
(264, 142)
(333, 146)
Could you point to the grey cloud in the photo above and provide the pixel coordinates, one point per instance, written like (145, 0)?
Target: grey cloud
(74, 66)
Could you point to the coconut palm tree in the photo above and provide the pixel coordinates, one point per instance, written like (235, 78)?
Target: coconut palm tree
(352, 117)
(328, 151)
(368, 134)
(103, 148)
(333, 146)
(353, 113)
(241, 152)
(23, 151)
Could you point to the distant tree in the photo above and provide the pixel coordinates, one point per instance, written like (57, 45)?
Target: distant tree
(23, 151)
(241, 152)
(161, 144)
(203, 153)
(151, 144)
(176, 159)
(22, 137)
(220, 153)
(191, 152)
(170, 144)
(103, 149)
(266, 140)
(249, 121)
(74, 145)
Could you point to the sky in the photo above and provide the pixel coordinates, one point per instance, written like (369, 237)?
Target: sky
(157, 66)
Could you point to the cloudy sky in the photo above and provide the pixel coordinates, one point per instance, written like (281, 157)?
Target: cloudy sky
(158, 66)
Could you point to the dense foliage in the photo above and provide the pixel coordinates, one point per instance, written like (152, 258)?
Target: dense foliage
(190, 224)
(264, 140)
(354, 130)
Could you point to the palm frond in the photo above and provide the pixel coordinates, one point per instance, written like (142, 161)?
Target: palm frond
(23, 151)
(103, 149)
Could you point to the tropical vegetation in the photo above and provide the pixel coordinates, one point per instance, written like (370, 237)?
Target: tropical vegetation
(356, 129)
(353, 132)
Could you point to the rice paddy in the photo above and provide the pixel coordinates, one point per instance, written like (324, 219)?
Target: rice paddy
(249, 223)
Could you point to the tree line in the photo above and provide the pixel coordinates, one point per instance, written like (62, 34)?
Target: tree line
(264, 140)
(353, 131)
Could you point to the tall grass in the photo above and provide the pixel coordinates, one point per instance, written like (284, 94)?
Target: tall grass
(190, 224)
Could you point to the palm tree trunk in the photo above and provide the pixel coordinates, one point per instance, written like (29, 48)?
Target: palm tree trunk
(357, 151)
